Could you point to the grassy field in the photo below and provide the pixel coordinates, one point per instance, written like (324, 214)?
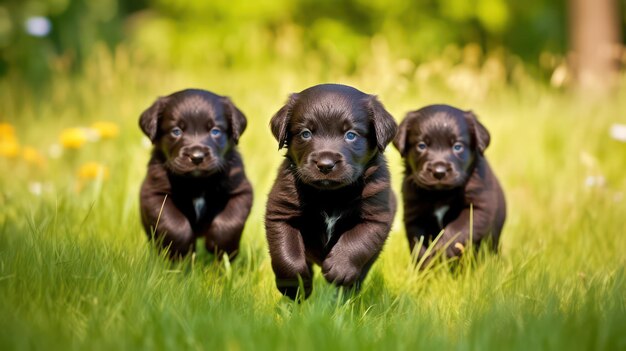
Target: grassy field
(76, 272)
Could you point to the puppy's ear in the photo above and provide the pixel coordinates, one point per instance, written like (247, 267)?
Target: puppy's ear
(149, 119)
(236, 119)
(385, 126)
(400, 140)
(280, 121)
(480, 132)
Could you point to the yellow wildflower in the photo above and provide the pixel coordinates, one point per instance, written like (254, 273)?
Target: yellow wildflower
(6, 131)
(32, 155)
(9, 145)
(9, 148)
(73, 138)
(93, 170)
(106, 130)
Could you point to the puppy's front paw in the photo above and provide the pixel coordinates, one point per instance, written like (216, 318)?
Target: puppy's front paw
(338, 269)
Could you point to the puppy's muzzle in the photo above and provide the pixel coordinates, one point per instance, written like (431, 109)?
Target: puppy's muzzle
(325, 161)
(439, 170)
(196, 154)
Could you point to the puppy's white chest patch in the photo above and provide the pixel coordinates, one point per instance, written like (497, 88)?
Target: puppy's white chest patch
(439, 213)
(198, 205)
(330, 221)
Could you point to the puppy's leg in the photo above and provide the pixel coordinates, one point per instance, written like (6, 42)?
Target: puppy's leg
(359, 246)
(162, 220)
(299, 288)
(418, 232)
(414, 232)
(164, 223)
(288, 259)
(348, 261)
(364, 271)
(456, 234)
(224, 232)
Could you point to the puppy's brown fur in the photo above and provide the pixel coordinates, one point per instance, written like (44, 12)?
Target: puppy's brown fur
(331, 203)
(446, 173)
(195, 185)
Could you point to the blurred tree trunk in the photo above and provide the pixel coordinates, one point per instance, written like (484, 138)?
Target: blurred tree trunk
(595, 36)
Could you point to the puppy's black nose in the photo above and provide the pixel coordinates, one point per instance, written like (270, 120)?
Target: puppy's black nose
(325, 164)
(197, 157)
(440, 172)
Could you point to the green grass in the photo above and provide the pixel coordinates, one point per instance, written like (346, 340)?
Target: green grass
(76, 271)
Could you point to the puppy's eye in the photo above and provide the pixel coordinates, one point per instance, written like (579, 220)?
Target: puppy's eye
(216, 132)
(350, 136)
(458, 147)
(176, 132)
(421, 146)
(306, 134)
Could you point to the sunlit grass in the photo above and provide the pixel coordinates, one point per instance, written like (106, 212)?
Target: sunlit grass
(76, 271)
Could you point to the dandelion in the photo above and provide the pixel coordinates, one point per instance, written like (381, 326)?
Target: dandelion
(36, 188)
(73, 138)
(6, 130)
(33, 156)
(93, 170)
(38, 26)
(106, 130)
(9, 145)
(9, 148)
(618, 132)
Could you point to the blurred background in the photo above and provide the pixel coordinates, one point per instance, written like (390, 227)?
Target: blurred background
(546, 77)
(557, 42)
(76, 74)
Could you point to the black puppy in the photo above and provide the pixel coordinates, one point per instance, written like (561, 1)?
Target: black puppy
(331, 203)
(195, 185)
(446, 174)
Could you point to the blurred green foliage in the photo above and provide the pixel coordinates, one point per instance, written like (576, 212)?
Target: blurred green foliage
(242, 33)
(76, 25)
